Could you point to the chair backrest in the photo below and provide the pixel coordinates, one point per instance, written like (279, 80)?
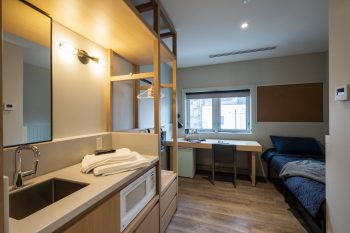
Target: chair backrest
(224, 153)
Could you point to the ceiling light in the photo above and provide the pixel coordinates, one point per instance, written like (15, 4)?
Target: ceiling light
(244, 25)
(246, 1)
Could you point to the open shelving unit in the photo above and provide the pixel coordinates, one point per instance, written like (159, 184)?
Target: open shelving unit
(118, 26)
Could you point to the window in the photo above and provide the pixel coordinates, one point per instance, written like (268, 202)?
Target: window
(218, 111)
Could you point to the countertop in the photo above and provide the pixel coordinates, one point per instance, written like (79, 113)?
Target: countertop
(61, 212)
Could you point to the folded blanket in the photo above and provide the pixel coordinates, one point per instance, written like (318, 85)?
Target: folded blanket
(92, 161)
(110, 169)
(308, 168)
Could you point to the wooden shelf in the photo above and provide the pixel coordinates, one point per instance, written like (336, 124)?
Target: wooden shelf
(167, 178)
(113, 24)
(132, 77)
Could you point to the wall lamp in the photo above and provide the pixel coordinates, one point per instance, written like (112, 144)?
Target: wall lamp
(82, 55)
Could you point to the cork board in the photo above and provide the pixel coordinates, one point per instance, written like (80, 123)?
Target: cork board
(290, 103)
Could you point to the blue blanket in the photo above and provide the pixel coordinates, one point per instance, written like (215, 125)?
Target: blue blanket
(308, 168)
(311, 194)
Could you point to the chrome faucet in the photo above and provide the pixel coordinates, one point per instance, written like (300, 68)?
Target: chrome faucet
(19, 174)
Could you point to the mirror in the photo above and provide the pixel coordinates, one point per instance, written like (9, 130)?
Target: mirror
(27, 83)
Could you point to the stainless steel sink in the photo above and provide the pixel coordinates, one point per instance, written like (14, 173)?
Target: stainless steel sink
(28, 200)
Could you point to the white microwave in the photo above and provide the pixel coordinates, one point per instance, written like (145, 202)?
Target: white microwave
(135, 197)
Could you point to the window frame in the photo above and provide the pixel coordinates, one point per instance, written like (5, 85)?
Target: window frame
(216, 112)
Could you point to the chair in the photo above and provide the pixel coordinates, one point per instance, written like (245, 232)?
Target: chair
(224, 153)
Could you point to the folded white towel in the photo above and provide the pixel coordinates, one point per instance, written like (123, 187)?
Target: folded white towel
(92, 161)
(119, 167)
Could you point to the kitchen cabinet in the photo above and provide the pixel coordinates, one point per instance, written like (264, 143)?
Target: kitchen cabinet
(151, 222)
(103, 217)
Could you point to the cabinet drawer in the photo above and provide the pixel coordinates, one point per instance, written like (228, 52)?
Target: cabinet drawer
(166, 218)
(151, 222)
(103, 218)
(167, 197)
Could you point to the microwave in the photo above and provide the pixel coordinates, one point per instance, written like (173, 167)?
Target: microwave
(135, 196)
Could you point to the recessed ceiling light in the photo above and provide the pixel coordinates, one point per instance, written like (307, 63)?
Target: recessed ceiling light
(246, 1)
(244, 25)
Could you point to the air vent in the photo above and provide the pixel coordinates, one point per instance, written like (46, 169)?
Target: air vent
(242, 52)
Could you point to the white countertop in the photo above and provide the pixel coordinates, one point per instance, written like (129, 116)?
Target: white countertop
(61, 212)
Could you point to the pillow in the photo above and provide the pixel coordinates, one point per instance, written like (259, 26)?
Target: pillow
(297, 145)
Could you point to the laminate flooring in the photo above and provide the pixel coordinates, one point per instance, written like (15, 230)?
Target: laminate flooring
(220, 208)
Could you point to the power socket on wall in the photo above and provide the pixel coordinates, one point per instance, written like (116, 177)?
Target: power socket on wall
(99, 143)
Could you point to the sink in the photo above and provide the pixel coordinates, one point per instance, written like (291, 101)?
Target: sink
(28, 200)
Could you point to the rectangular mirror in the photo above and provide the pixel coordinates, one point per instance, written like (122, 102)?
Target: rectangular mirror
(27, 82)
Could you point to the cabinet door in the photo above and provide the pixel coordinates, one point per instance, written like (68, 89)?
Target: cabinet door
(104, 218)
(151, 223)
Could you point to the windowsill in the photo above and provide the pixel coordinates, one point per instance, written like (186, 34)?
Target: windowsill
(228, 133)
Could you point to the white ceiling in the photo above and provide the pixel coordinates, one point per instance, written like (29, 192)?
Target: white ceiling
(207, 27)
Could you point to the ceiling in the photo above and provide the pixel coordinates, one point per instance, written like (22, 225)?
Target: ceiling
(206, 27)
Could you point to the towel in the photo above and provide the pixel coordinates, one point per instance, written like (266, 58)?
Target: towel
(92, 161)
(120, 167)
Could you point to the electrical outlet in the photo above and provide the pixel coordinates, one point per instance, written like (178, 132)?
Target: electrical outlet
(99, 143)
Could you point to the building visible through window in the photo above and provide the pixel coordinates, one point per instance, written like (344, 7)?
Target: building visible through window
(218, 111)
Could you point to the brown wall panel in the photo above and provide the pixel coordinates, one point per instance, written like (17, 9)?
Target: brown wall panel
(290, 103)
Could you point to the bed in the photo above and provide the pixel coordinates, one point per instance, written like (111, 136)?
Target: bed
(306, 196)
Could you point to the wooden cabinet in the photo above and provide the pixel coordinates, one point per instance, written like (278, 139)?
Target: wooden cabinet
(104, 217)
(168, 202)
(151, 223)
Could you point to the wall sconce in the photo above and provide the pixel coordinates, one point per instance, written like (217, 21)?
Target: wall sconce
(82, 55)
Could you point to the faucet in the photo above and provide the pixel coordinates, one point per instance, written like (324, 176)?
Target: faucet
(19, 174)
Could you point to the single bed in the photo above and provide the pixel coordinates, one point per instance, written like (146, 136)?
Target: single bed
(304, 195)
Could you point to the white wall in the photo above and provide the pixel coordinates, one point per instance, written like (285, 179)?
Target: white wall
(79, 91)
(250, 74)
(146, 106)
(122, 97)
(37, 94)
(338, 147)
(13, 130)
(79, 107)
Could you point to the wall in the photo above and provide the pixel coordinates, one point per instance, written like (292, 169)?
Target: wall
(37, 102)
(79, 107)
(79, 91)
(13, 94)
(146, 106)
(122, 97)
(36, 94)
(338, 147)
(249, 74)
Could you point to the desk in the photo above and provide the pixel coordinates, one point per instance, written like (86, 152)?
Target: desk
(241, 145)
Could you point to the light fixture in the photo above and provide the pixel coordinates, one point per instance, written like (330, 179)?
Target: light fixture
(82, 55)
(246, 1)
(244, 25)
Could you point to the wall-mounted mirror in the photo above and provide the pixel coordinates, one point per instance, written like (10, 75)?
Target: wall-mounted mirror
(27, 83)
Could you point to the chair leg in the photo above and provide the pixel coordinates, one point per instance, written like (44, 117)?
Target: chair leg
(234, 171)
(213, 168)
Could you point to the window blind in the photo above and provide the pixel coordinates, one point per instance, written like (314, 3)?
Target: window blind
(218, 94)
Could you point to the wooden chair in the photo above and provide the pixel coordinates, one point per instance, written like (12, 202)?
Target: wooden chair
(224, 153)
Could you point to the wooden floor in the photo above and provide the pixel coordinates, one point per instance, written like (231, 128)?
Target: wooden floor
(207, 208)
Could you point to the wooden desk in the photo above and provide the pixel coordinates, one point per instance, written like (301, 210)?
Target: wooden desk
(248, 146)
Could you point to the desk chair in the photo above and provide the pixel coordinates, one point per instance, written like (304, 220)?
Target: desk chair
(224, 153)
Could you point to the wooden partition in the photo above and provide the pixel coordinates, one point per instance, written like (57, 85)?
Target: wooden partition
(290, 103)
(1, 140)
